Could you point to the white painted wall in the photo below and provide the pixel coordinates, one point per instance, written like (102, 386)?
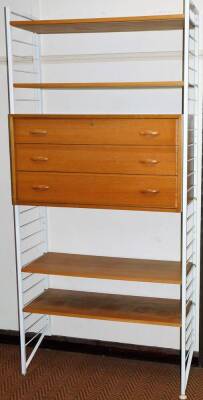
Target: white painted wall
(100, 232)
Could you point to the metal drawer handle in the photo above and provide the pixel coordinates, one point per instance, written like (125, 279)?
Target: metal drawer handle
(41, 188)
(149, 133)
(39, 158)
(150, 161)
(39, 132)
(150, 191)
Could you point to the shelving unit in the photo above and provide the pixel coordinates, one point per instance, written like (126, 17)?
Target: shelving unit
(47, 170)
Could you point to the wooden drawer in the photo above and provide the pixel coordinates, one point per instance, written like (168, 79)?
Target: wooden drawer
(97, 159)
(97, 190)
(128, 130)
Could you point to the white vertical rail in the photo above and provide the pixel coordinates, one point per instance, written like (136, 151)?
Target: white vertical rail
(20, 291)
(30, 222)
(184, 197)
(16, 211)
(190, 191)
(199, 176)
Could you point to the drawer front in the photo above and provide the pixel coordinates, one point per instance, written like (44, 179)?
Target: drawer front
(137, 131)
(97, 159)
(99, 190)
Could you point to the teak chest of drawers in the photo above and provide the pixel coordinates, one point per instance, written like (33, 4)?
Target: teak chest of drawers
(101, 161)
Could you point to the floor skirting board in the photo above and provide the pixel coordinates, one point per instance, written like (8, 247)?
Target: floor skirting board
(103, 348)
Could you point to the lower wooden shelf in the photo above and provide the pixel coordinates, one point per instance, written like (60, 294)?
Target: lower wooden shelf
(99, 85)
(144, 310)
(125, 269)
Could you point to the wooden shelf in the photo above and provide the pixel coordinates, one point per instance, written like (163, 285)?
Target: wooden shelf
(118, 24)
(125, 269)
(100, 85)
(97, 116)
(144, 310)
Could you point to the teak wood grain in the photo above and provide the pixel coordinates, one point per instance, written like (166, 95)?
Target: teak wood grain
(99, 85)
(97, 189)
(98, 129)
(124, 269)
(99, 116)
(151, 160)
(97, 161)
(91, 25)
(12, 159)
(144, 310)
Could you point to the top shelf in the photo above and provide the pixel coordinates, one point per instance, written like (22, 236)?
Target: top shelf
(94, 25)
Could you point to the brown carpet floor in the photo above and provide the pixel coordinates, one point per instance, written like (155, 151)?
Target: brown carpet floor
(57, 375)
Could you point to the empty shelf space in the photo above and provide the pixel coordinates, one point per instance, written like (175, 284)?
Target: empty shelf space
(126, 269)
(118, 24)
(100, 85)
(145, 310)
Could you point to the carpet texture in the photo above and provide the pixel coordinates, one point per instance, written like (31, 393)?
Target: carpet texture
(58, 375)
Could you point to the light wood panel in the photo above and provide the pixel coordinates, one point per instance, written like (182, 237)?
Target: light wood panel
(117, 24)
(144, 310)
(151, 160)
(125, 269)
(139, 130)
(12, 158)
(97, 189)
(96, 116)
(99, 85)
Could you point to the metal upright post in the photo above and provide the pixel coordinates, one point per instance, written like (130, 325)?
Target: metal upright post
(31, 215)
(184, 199)
(16, 208)
(190, 192)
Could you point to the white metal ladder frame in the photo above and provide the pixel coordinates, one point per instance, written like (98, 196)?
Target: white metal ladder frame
(30, 240)
(191, 191)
